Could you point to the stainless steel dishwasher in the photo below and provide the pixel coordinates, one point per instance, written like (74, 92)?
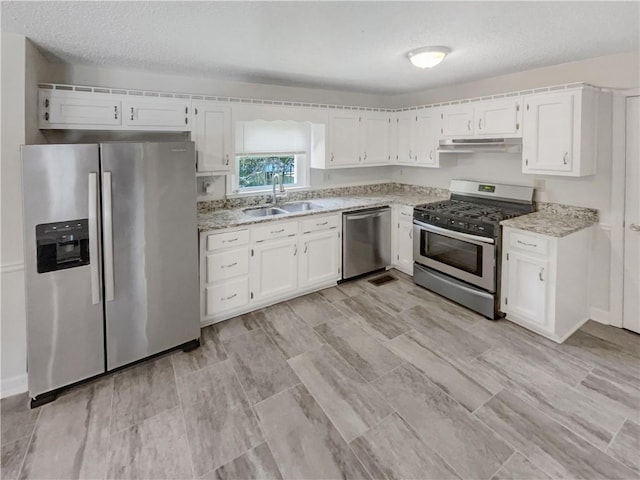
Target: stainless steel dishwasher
(366, 241)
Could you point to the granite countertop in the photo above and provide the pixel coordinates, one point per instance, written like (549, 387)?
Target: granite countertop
(554, 220)
(225, 218)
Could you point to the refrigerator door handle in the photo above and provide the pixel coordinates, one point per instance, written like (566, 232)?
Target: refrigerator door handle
(107, 219)
(93, 238)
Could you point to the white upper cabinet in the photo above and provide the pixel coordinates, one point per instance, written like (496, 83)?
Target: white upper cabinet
(157, 113)
(457, 120)
(489, 118)
(404, 138)
(497, 118)
(559, 133)
(344, 139)
(213, 138)
(417, 133)
(63, 109)
(376, 136)
(358, 139)
(426, 137)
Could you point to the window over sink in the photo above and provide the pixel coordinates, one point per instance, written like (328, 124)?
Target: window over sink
(266, 148)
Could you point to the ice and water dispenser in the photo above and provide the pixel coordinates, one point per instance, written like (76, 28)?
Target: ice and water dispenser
(62, 245)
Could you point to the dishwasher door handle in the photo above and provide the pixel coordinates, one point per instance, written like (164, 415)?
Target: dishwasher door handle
(365, 215)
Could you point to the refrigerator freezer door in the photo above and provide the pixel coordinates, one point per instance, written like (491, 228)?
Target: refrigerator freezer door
(151, 255)
(65, 321)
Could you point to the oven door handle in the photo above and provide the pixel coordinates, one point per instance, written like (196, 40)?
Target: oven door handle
(453, 233)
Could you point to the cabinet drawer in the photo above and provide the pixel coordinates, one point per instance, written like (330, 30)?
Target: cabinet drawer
(274, 230)
(229, 239)
(227, 296)
(315, 224)
(227, 264)
(528, 243)
(405, 213)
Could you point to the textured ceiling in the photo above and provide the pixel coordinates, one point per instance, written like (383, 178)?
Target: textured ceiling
(357, 46)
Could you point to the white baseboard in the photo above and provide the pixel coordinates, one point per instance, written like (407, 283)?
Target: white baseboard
(600, 316)
(13, 385)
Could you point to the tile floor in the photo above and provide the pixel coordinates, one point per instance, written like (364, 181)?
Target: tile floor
(356, 381)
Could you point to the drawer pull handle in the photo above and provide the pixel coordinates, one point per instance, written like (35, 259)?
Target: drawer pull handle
(230, 240)
(277, 231)
(230, 265)
(321, 224)
(527, 244)
(540, 274)
(131, 113)
(405, 214)
(228, 298)
(306, 244)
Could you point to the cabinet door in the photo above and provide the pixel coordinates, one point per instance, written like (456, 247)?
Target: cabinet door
(497, 117)
(404, 247)
(320, 258)
(375, 138)
(344, 134)
(427, 134)
(166, 113)
(81, 109)
(457, 121)
(547, 140)
(526, 288)
(212, 129)
(274, 269)
(405, 129)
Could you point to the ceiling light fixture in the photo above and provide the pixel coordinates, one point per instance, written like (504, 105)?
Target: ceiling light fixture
(427, 57)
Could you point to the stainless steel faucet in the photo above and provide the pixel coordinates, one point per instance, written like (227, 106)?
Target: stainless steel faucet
(283, 193)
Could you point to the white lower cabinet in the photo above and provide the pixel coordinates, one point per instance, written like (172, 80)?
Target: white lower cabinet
(544, 284)
(274, 268)
(402, 241)
(320, 258)
(245, 269)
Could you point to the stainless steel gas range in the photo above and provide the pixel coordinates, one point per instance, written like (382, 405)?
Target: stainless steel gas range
(456, 243)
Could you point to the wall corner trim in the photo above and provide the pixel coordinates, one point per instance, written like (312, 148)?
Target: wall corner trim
(11, 267)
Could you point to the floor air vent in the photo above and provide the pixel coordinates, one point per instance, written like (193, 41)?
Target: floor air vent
(381, 280)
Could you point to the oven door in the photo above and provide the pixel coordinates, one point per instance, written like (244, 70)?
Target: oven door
(467, 257)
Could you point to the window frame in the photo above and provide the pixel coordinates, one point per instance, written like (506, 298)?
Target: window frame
(302, 173)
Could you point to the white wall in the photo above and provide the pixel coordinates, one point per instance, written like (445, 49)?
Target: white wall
(619, 71)
(92, 76)
(12, 326)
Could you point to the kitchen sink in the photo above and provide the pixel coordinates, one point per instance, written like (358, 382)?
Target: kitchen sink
(300, 207)
(264, 211)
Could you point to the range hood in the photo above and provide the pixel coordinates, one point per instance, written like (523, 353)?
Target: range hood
(471, 145)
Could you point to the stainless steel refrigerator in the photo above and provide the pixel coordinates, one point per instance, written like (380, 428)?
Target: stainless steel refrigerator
(111, 257)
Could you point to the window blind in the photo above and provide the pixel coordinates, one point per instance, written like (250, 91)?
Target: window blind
(277, 136)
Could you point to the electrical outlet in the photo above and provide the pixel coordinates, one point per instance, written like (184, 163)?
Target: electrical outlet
(540, 185)
(208, 187)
